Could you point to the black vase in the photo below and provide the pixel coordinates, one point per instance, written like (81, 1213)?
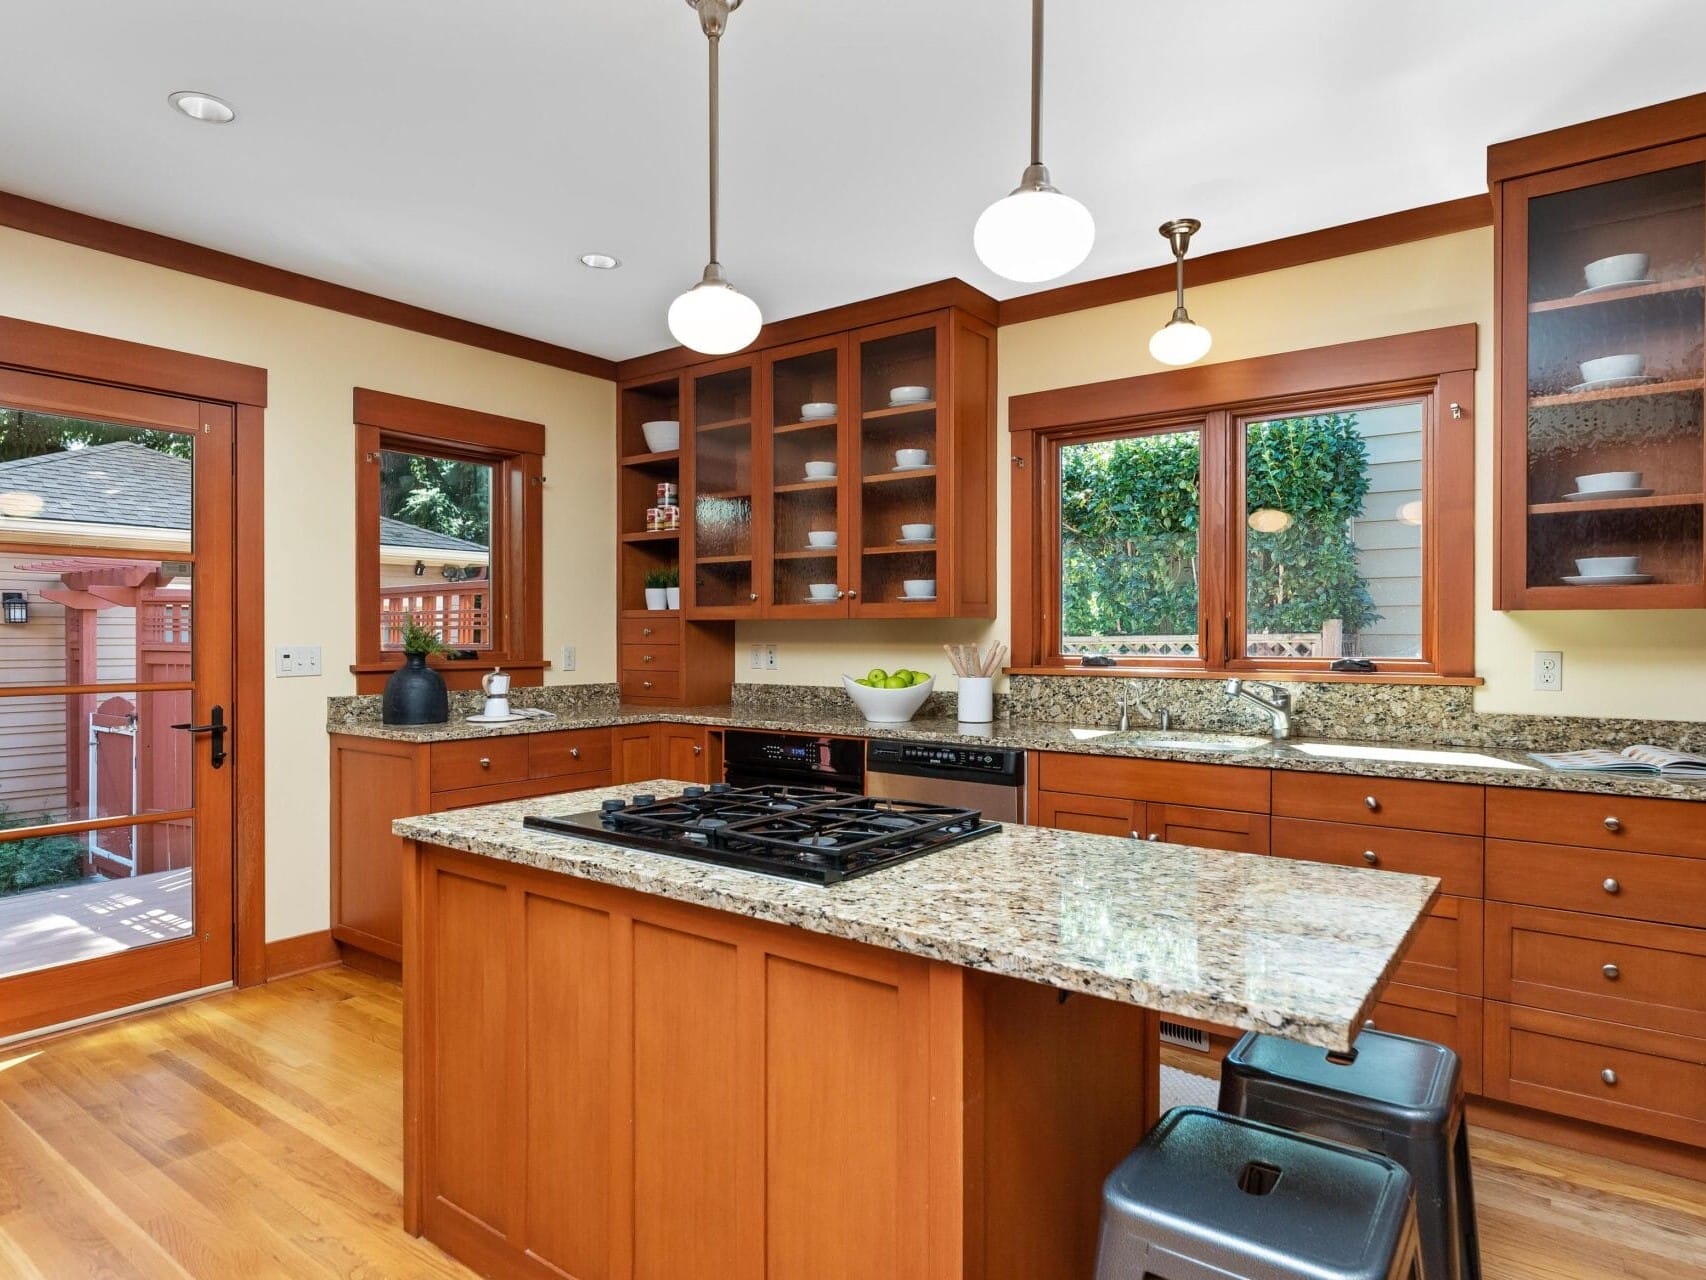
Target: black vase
(415, 694)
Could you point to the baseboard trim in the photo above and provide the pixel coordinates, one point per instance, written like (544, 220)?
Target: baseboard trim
(288, 956)
(370, 964)
(1582, 1135)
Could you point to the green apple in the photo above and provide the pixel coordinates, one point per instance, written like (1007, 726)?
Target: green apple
(864, 682)
(894, 682)
(876, 675)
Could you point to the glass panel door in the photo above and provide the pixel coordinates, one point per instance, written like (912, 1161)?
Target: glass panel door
(807, 530)
(724, 582)
(115, 631)
(900, 392)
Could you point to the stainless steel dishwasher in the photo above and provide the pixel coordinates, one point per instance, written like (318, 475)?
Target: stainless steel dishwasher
(990, 779)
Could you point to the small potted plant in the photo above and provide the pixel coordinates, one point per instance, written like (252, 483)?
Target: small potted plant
(415, 693)
(657, 589)
(672, 588)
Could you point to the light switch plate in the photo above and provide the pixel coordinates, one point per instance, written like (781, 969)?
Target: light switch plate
(1548, 670)
(568, 657)
(758, 657)
(297, 660)
(770, 657)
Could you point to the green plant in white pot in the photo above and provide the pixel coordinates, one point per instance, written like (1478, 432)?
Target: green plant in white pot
(657, 589)
(672, 587)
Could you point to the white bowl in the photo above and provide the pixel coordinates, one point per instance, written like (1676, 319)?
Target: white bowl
(822, 537)
(1600, 481)
(922, 588)
(911, 457)
(918, 532)
(1620, 268)
(815, 410)
(822, 590)
(820, 471)
(908, 395)
(888, 706)
(1606, 367)
(1607, 566)
(662, 435)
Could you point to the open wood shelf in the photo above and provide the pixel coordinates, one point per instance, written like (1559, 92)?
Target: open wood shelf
(726, 495)
(900, 411)
(910, 549)
(803, 486)
(815, 553)
(653, 535)
(1567, 398)
(895, 477)
(1658, 289)
(727, 424)
(815, 424)
(1651, 501)
(741, 559)
(648, 461)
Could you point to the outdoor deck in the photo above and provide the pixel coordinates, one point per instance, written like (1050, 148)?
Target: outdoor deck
(93, 918)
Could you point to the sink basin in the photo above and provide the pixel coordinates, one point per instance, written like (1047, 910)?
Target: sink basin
(1409, 755)
(1090, 735)
(1198, 741)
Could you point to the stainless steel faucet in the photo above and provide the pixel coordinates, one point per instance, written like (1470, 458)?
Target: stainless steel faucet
(1277, 704)
(1127, 703)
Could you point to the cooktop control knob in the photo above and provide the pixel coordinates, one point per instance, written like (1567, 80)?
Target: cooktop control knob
(645, 799)
(613, 806)
(693, 793)
(719, 788)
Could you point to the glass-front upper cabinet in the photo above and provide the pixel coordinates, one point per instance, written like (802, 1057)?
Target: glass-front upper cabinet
(728, 458)
(1602, 319)
(808, 469)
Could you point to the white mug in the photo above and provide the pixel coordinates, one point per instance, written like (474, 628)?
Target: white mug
(911, 457)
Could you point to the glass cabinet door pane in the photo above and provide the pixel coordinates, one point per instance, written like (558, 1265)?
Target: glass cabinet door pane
(805, 454)
(897, 457)
(1615, 325)
(722, 490)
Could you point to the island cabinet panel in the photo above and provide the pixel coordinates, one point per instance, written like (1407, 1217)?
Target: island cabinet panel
(1380, 802)
(600, 1083)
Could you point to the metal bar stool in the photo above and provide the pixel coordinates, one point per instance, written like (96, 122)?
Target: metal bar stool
(1391, 1094)
(1208, 1196)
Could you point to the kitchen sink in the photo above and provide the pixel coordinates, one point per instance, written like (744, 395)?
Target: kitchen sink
(1090, 735)
(1408, 755)
(1183, 741)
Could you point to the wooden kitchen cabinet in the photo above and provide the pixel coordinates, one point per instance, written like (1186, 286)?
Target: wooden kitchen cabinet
(686, 752)
(725, 492)
(1109, 795)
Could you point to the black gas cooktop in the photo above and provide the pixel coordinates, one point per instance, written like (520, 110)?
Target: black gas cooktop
(802, 833)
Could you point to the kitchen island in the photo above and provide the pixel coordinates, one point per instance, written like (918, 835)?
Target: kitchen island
(627, 1064)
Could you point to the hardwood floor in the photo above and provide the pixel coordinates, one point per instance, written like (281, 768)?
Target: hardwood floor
(258, 1134)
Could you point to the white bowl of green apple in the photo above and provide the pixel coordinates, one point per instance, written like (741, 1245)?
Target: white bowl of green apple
(889, 697)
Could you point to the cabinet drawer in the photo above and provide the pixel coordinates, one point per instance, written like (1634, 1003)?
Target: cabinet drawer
(1637, 886)
(651, 684)
(1445, 954)
(551, 754)
(648, 631)
(1631, 1078)
(478, 761)
(1380, 802)
(1456, 860)
(651, 657)
(1207, 828)
(1599, 822)
(1444, 1018)
(1643, 975)
(498, 792)
(1098, 815)
(1211, 786)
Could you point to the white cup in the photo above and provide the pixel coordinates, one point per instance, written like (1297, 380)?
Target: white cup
(977, 699)
(921, 588)
(820, 471)
(918, 532)
(815, 410)
(911, 457)
(823, 590)
(496, 708)
(1607, 566)
(822, 537)
(1624, 366)
(1620, 268)
(1600, 481)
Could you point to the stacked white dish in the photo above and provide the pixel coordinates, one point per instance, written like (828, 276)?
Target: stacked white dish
(1608, 484)
(817, 411)
(916, 533)
(824, 470)
(1608, 571)
(1606, 372)
(1620, 271)
(900, 397)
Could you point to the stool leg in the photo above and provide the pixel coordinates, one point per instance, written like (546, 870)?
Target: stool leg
(1469, 1235)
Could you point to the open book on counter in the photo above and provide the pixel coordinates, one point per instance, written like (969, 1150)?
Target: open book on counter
(1642, 757)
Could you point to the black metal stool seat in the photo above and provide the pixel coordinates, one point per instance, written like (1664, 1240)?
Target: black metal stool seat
(1208, 1196)
(1392, 1094)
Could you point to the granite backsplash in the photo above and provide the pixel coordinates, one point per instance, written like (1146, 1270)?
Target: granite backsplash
(559, 699)
(809, 700)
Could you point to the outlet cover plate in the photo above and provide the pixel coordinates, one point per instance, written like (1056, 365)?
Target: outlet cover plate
(1548, 670)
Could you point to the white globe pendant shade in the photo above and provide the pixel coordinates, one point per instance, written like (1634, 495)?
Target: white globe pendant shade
(1035, 234)
(714, 318)
(1180, 342)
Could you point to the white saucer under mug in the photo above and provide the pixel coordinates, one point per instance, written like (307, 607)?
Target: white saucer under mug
(1607, 579)
(1589, 495)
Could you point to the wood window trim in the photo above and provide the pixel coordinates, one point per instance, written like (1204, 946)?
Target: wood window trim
(515, 450)
(1435, 366)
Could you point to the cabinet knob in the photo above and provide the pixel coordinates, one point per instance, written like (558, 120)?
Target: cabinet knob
(1154, 835)
(1612, 824)
(1371, 804)
(1608, 1075)
(841, 595)
(645, 684)
(752, 595)
(853, 595)
(1611, 971)
(1611, 885)
(1137, 835)
(698, 750)
(574, 753)
(485, 762)
(647, 658)
(1371, 857)
(645, 631)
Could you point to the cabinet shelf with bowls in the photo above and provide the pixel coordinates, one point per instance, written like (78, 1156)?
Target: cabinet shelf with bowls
(1601, 434)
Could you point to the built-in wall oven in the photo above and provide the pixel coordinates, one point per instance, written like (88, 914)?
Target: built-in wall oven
(753, 759)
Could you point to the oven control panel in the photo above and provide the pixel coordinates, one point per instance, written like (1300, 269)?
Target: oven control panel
(931, 757)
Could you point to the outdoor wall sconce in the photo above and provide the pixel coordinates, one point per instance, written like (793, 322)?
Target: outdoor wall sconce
(17, 606)
(420, 568)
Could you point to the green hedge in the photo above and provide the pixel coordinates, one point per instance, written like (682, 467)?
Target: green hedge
(1129, 524)
(37, 863)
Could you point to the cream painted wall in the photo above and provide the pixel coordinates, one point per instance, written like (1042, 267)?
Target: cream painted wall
(314, 358)
(1635, 664)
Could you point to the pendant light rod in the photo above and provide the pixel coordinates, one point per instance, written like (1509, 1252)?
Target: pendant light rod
(1178, 233)
(713, 20)
(1037, 82)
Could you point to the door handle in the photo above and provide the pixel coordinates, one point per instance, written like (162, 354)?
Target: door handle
(216, 727)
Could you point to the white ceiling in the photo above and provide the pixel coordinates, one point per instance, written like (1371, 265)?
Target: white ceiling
(461, 154)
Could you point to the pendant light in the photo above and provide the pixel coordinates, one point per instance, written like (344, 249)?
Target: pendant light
(1181, 340)
(1036, 233)
(713, 317)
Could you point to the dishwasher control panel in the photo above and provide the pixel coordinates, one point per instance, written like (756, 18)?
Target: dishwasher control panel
(943, 757)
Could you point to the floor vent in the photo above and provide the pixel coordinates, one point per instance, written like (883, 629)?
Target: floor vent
(1184, 1037)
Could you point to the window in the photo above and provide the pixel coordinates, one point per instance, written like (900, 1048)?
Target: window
(448, 534)
(1279, 514)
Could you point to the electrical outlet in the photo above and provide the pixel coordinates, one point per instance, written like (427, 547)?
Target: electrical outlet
(770, 657)
(757, 657)
(297, 660)
(1548, 670)
(568, 657)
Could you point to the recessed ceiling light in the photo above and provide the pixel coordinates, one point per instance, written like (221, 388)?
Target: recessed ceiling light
(600, 261)
(203, 107)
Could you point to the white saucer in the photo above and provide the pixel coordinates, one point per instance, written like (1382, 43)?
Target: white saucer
(919, 598)
(821, 551)
(916, 466)
(817, 479)
(512, 718)
(1591, 494)
(815, 600)
(908, 404)
(1608, 579)
(817, 417)
(1606, 384)
(915, 542)
(1615, 284)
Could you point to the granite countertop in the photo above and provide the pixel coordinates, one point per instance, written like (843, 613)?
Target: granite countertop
(1298, 949)
(1475, 765)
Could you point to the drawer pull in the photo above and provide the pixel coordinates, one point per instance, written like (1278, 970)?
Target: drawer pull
(1611, 885)
(647, 658)
(645, 684)
(698, 750)
(1371, 857)
(1371, 804)
(1154, 835)
(1608, 1075)
(1612, 972)
(485, 762)
(574, 753)
(1137, 835)
(1612, 824)
(645, 631)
